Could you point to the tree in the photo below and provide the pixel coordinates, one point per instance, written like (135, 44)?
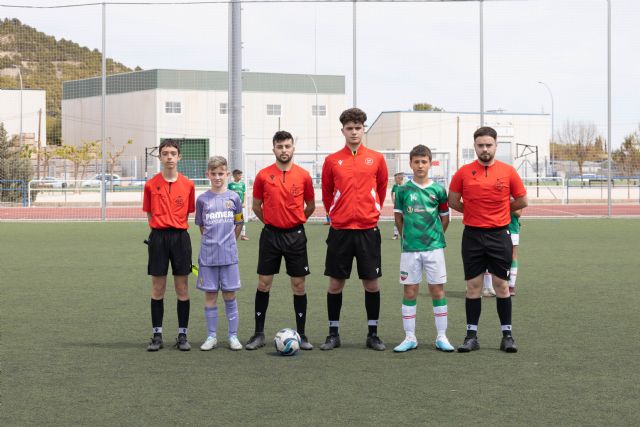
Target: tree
(81, 156)
(114, 154)
(423, 106)
(15, 170)
(579, 142)
(627, 157)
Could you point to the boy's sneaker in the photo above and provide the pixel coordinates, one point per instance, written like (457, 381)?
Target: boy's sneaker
(244, 238)
(406, 345)
(469, 344)
(443, 344)
(255, 342)
(234, 343)
(182, 344)
(395, 237)
(488, 292)
(304, 343)
(374, 342)
(210, 343)
(508, 344)
(332, 341)
(155, 343)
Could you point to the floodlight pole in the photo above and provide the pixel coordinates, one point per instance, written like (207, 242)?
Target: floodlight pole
(552, 117)
(21, 90)
(609, 195)
(481, 63)
(315, 87)
(103, 130)
(355, 72)
(235, 85)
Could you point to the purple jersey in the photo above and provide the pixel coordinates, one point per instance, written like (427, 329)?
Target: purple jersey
(218, 213)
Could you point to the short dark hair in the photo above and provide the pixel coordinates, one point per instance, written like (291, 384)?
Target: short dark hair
(281, 135)
(399, 174)
(169, 143)
(420, 151)
(354, 115)
(486, 131)
(236, 172)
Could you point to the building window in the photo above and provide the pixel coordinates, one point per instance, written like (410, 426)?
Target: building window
(468, 154)
(223, 108)
(318, 110)
(173, 107)
(274, 109)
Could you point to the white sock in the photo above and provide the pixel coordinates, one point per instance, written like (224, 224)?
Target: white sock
(409, 320)
(440, 316)
(512, 277)
(488, 282)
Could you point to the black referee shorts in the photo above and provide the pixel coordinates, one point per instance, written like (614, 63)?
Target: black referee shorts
(169, 245)
(276, 243)
(486, 249)
(343, 245)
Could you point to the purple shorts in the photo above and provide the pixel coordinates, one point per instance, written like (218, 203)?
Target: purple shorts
(216, 278)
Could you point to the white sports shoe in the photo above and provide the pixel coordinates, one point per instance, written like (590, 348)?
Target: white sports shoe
(210, 343)
(406, 345)
(488, 292)
(443, 344)
(234, 343)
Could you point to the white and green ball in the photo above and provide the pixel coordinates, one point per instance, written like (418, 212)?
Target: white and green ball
(287, 342)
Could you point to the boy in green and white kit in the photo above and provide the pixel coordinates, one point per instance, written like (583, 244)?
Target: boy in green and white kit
(422, 216)
(398, 181)
(238, 186)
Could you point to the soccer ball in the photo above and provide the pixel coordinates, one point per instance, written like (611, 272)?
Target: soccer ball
(287, 342)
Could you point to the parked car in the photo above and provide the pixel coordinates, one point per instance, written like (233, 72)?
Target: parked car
(48, 182)
(110, 178)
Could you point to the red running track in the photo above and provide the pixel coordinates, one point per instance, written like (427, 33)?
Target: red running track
(135, 213)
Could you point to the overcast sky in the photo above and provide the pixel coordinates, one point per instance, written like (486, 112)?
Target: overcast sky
(407, 52)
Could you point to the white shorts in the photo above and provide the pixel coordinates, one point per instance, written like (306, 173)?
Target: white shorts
(432, 262)
(515, 239)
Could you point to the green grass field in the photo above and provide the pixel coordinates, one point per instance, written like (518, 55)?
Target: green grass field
(75, 323)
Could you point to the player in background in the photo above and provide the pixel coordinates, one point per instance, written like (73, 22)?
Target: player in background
(485, 192)
(283, 199)
(354, 186)
(239, 187)
(398, 181)
(219, 216)
(422, 217)
(514, 230)
(168, 199)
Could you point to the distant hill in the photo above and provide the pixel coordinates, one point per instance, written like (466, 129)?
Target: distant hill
(45, 63)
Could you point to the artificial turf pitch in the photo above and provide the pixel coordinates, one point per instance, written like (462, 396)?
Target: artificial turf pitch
(75, 323)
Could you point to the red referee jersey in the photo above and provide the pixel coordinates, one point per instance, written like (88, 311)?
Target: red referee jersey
(283, 194)
(169, 202)
(354, 187)
(486, 191)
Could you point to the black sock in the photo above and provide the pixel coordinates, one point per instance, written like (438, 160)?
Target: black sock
(157, 314)
(300, 307)
(334, 305)
(504, 313)
(473, 308)
(261, 304)
(372, 305)
(183, 314)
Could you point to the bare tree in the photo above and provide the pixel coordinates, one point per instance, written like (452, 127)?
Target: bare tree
(579, 142)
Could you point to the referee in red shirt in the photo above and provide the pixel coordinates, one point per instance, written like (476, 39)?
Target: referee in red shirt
(169, 198)
(482, 192)
(283, 199)
(354, 186)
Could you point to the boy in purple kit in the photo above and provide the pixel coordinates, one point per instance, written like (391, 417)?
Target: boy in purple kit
(219, 215)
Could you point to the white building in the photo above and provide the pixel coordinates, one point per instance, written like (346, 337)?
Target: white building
(519, 135)
(147, 107)
(34, 109)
